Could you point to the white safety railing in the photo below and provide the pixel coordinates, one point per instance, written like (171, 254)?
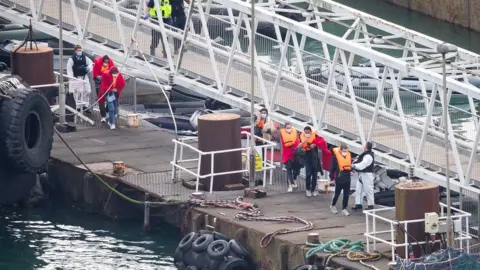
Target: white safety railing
(187, 143)
(373, 217)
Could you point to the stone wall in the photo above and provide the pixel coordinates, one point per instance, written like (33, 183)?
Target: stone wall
(460, 12)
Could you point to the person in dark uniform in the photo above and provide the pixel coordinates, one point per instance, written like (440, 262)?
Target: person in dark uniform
(179, 19)
(151, 12)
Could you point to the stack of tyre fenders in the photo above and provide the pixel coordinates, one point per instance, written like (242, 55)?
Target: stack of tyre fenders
(207, 250)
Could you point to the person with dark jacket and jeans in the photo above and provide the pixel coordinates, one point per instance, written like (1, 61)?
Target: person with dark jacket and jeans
(179, 20)
(310, 142)
(341, 171)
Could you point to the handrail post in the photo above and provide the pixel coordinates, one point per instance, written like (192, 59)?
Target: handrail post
(198, 171)
(211, 171)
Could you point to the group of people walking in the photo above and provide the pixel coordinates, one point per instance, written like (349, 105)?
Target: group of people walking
(108, 80)
(309, 150)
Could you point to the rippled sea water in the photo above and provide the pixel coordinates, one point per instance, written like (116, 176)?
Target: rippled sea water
(62, 238)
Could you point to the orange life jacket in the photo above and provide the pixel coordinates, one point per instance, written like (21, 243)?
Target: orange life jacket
(114, 85)
(289, 139)
(344, 162)
(104, 69)
(261, 123)
(306, 141)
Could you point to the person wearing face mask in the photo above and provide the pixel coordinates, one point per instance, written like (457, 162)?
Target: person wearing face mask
(364, 165)
(79, 66)
(310, 142)
(341, 171)
(263, 129)
(290, 141)
(101, 65)
(111, 87)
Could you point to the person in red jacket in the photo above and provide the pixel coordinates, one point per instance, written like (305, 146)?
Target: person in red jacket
(111, 87)
(290, 141)
(101, 65)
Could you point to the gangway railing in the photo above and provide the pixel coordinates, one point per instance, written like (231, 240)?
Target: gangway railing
(217, 65)
(179, 164)
(377, 218)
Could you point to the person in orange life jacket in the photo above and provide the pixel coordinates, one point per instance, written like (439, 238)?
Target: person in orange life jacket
(340, 172)
(364, 165)
(263, 129)
(309, 142)
(290, 141)
(112, 84)
(101, 65)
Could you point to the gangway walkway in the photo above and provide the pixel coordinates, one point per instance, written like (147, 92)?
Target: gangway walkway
(217, 64)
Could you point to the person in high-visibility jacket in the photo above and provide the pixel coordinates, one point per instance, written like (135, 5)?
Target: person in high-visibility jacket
(151, 12)
(340, 172)
(310, 141)
(290, 141)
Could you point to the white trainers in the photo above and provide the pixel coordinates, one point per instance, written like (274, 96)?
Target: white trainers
(112, 126)
(309, 193)
(345, 212)
(290, 188)
(315, 193)
(333, 209)
(294, 185)
(103, 120)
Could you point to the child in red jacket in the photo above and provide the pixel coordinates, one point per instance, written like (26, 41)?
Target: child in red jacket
(111, 87)
(101, 65)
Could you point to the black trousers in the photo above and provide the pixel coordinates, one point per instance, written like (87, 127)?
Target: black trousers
(311, 173)
(157, 37)
(101, 104)
(179, 22)
(339, 187)
(70, 101)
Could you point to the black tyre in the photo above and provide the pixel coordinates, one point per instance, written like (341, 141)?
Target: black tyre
(201, 260)
(186, 242)
(234, 263)
(202, 242)
(304, 267)
(217, 250)
(238, 249)
(213, 265)
(192, 267)
(180, 266)
(178, 255)
(26, 130)
(220, 236)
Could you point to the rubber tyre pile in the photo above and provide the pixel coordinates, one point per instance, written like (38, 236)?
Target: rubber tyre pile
(205, 250)
(312, 267)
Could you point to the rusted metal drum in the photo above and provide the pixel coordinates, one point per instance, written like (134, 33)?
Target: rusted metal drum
(412, 201)
(220, 131)
(34, 65)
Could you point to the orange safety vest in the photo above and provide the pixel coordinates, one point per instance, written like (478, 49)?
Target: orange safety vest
(344, 162)
(289, 138)
(306, 142)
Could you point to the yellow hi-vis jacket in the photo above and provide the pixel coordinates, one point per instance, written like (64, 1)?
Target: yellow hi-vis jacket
(165, 8)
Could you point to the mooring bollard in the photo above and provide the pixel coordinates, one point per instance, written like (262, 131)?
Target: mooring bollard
(146, 217)
(313, 238)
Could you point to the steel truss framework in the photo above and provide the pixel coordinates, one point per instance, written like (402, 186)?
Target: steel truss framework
(331, 98)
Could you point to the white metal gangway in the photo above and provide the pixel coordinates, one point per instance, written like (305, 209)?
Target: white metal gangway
(365, 66)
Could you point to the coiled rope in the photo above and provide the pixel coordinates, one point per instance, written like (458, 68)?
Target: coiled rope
(251, 212)
(342, 247)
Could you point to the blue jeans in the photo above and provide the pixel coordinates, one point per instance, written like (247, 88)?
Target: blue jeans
(291, 175)
(111, 111)
(311, 175)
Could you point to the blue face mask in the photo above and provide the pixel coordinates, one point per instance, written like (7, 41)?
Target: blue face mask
(79, 53)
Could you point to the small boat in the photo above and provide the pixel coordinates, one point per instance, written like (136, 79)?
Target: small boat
(244, 120)
(166, 122)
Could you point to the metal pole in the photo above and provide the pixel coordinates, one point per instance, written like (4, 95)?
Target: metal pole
(135, 94)
(252, 103)
(61, 87)
(447, 165)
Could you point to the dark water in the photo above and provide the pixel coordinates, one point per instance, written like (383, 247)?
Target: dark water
(63, 238)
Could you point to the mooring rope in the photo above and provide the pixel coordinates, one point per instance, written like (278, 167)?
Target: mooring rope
(251, 212)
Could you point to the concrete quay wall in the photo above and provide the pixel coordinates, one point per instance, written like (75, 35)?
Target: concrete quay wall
(465, 13)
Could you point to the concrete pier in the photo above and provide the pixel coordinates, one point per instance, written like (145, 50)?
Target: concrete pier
(147, 152)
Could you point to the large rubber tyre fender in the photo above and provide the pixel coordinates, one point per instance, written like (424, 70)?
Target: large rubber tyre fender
(26, 130)
(234, 263)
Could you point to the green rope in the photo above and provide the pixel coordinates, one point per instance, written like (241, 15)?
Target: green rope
(334, 246)
(97, 177)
